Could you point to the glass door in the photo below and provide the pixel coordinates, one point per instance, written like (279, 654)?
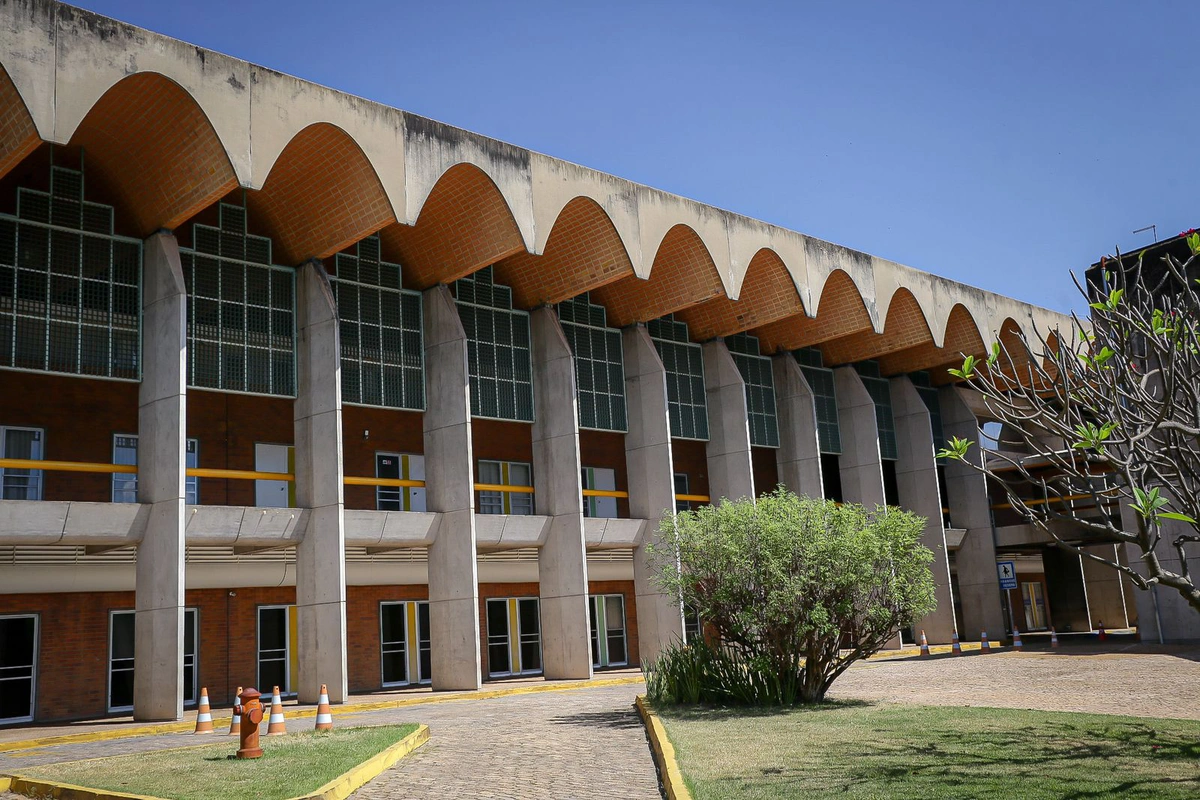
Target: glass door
(276, 648)
(271, 493)
(1034, 601)
(18, 667)
(529, 635)
(393, 638)
(499, 655)
(190, 648)
(21, 484)
(608, 630)
(120, 661)
(424, 644)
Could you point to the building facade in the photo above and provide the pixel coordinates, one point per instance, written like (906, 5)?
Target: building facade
(378, 402)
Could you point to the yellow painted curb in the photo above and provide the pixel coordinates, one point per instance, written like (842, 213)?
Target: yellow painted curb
(338, 789)
(937, 650)
(345, 708)
(664, 752)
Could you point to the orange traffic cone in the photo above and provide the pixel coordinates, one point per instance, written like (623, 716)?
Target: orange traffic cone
(235, 722)
(984, 647)
(956, 646)
(324, 713)
(1103, 635)
(1017, 645)
(204, 717)
(276, 726)
(1053, 638)
(924, 644)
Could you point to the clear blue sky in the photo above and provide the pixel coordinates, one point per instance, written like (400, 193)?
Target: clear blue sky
(999, 144)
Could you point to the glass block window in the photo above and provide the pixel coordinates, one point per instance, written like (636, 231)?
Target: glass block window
(599, 364)
(684, 364)
(820, 380)
(241, 310)
(760, 388)
(881, 392)
(929, 394)
(70, 289)
(498, 355)
(383, 347)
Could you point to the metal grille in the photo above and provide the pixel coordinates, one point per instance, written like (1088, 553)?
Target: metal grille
(241, 310)
(929, 394)
(70, 289)
(383, 348)
(684, 364)
(820, 380)
(498, 355)
(760, 388)
(881, 392)
(599, 364)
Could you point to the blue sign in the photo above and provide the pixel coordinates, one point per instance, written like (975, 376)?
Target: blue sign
(1008, 574)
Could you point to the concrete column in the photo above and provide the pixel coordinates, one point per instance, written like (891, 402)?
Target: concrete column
(162, 425)
(967, 492)
(1105, 595)
(562, 560)
(321, 554)
(450, 490)
(860, 463)
(917, 484)
(730, 471)
(651, 486)
(799, 453)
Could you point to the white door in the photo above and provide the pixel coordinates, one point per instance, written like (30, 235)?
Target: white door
(271, 458)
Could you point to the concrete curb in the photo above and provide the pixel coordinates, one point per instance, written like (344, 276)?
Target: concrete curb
(337, 789)
(347, 708)
(664, 752)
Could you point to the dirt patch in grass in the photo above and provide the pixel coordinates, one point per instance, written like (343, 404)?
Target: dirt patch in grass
(292, 765)
(861, 750)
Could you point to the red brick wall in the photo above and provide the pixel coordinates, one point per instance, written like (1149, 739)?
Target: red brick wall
(391, 431)
(606, 449)
(766, 469)
(228, 426)
(494, 440)
(691, 457)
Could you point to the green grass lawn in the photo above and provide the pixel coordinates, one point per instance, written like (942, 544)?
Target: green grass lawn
(858, 750)
(292, 765)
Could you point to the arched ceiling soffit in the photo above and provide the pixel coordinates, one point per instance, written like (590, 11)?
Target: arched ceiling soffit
(584, 251)
(841, 312)
(767, 294)
(321, 196)
(18, 133)
(464, 226)
(904, 326)
(962, 336)
(683, 273)
(155, 150)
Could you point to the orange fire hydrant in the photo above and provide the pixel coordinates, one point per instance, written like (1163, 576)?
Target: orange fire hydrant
(250, 709)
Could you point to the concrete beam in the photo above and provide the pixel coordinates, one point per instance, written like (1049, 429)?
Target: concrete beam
(860, 463)
(450, 490)
(162, 423)
(730, 471)
(321, 554)
(799, 453)
(651, 487)
(562, 560)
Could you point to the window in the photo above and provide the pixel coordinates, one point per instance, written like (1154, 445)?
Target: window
(498, 357)
(405, 652)
(24, 443)
(693, 626)
(383, 349)
(18, 667)
(601, 479)
(121, 658)
(400, 466)
(755, 370)
(684, 364)
(599, 364)
(820, 380)
(241, 310)
(124, 484)
(508, 618)
(929, 395)
(70, 289)
(505, 501)
(607, 612)
(681, 488)
(881, 392)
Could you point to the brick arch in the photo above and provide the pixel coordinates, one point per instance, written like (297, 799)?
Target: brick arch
(768, 294)
(321, 196)
(962, 337)
(683, 273)
(153, 148)
(841, 311)
(464, 226)
(583, 252)
(905, 326)
(18, 133)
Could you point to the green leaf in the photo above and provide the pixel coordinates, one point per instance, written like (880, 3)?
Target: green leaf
(995, 354)
(1180, 517)
(956, 448)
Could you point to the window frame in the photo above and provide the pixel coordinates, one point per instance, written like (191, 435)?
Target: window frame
(33, 677)
(36, 476)
(505, 498)
(191, 460)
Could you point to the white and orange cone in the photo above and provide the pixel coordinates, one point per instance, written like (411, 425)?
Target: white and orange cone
(1017, 645)
(956, 646)
(924, 645)
(276, 726)
(204, 723)
(1053, 638)
(235, 722)
(324, 713)
(984, 647)
(1103, 635)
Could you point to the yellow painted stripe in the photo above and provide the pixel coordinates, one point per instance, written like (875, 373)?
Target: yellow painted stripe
(65, 466)
(664, 752)
(344, 786)
(499, 487)
(603, 493)
(240, 474)
(693, 498)
(405, 482)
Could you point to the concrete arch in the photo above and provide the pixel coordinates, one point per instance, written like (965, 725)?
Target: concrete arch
(659, 213)
(464, 225)
(559, 183)
(683, 274)
(583, 251)
(322, 195)
(18, 131)
(963, 336)
(825, 260)
(841, 311)
(767, 293)
(153, 148)
(904, 326)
